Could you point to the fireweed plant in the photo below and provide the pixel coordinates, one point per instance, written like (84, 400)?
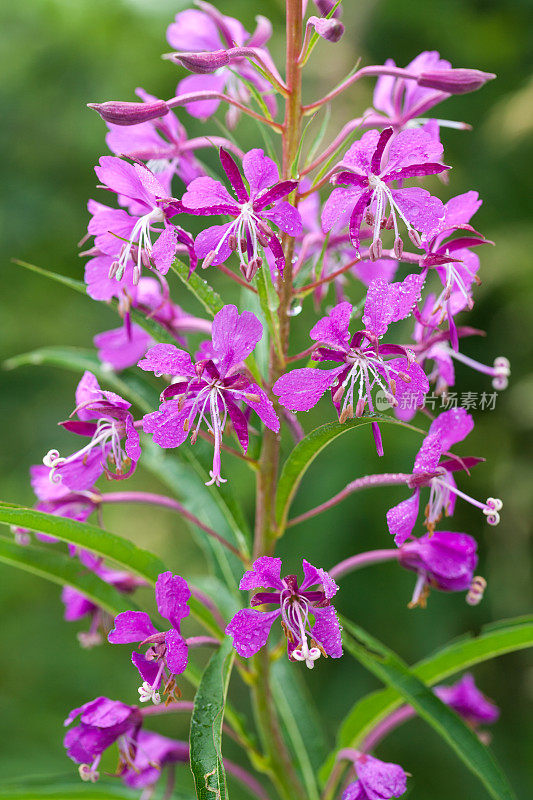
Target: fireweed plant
(348, 226)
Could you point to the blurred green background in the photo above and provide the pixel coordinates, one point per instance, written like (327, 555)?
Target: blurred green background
(57, 55)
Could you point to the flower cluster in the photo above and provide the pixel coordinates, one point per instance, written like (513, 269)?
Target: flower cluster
(403, 265)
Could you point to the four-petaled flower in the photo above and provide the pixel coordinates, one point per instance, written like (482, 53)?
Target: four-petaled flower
(366, 172)
(114, 423)
(362, 358)
(255, 210)
(447, 429)
(167, 650)
(211, 389)
(149, 205)
(297, 602)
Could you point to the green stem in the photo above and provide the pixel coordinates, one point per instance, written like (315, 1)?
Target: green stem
(283, 773)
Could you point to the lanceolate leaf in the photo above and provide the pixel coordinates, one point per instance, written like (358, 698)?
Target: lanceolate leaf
(60, 568)
(305, 452)
(494, 640)
(101, 542)
(206, 726)
(389, 668)
(128, 384)
(90, 537)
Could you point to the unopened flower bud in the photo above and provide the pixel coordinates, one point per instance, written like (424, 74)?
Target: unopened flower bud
(201, 63)
(119, 113)
(329, 29)
(454, 81)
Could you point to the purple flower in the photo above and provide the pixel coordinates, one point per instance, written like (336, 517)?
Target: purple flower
(255, 210)
(78, 606)
(122, 347)
(114, 423)
(152, 753)
(362, 358)
(376, 780)
(149, 205)
(446, 430)
(161, 142)
(167, 650)
(466, 699)
(211, 389)
(367, 170)
(305, 642)
(442, 560)
(206, 30)
(329, 253)
(102, 723)
(403, 100)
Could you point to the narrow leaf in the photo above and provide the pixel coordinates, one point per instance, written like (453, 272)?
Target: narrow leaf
(389, 668)
(60, 568)
(204, 293)
(206, 726)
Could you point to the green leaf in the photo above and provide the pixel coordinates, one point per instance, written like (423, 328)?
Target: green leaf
(206, 726)
(302, 726)
(305, 452)
(494, 640)
(71, 283)
(101, 542)
(60, 568)
(65, 787)
(389, 668)
(90, 537)
(129, 384)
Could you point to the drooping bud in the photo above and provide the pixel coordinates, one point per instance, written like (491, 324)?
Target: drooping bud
(201, 63)
(329, 29)
(124, 113)
(454, 81)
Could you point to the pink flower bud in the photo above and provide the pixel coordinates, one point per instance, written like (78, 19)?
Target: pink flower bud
(201, 63)
(329, 29)
(454, 81)
(325, 6)
(119, 113)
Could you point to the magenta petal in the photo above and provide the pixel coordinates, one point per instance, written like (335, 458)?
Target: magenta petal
(132, 445)
(82, 472)
(409, 393)
(177, 654)
(193, 30)
(453, 426)
(87, 391)
(301, 389)
(166, 359)
(121, 348)
(355, 791)
(214, 238)
(381, 780)
(266, 573)
(122, 178)
(170, 425)
(422, 210)
(429, 454)
(360, 153)
(148, 670)
(239, 422)
(327, 630)
(105, 713)
(233, 174)
(285, 216)
(259, 170)
(338, 207)
(318, 576)
(401, 519)
(131, 626)
(206, 193)
(172, 594)
(234, 337)
(263, 407)
(164, 249)
(249, 629)
(412, 146)
(334, 329)
(461, 209)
